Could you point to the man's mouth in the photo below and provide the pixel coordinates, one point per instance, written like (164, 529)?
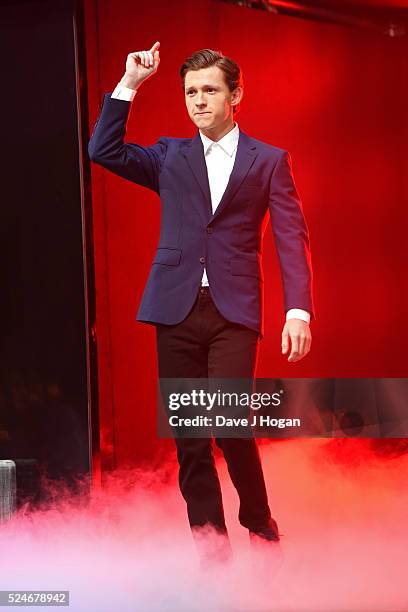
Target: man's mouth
(203, 113)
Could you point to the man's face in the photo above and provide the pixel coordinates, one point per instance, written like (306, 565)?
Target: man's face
(208, 99)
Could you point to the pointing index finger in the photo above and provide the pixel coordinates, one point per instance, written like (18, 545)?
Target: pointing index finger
(155, 47)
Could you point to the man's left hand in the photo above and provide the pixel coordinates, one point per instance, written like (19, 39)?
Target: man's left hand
(298, 332)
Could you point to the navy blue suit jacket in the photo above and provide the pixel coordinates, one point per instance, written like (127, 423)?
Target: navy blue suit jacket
(229, 242)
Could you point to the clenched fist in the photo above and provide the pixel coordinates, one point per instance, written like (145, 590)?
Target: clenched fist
(140, 65)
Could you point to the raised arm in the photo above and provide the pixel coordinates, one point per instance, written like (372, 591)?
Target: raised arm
(107, 147)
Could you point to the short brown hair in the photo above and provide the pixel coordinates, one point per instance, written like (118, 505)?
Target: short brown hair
(205, 58)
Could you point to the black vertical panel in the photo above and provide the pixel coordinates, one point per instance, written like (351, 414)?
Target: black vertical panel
(44, 393)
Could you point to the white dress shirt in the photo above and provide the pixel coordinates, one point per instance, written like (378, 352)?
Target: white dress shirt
(219, 158)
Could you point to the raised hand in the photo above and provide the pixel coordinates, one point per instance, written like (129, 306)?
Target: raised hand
(140, 65)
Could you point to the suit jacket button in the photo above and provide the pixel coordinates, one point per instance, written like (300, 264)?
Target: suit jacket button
(209, 230)
(202, 259)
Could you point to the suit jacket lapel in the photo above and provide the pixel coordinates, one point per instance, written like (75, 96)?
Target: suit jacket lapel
(195, 158)
(245, 157)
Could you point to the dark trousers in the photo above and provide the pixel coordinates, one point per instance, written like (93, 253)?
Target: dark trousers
(206, 345)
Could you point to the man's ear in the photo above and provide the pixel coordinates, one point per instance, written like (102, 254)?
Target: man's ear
(237, 96)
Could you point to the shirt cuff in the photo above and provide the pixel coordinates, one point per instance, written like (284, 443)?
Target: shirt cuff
(123, 93)
(298, 313)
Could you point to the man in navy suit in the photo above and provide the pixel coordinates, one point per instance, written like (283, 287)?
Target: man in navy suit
(204, 293)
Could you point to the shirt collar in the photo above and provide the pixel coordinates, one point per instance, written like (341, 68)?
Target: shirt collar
(228, 143)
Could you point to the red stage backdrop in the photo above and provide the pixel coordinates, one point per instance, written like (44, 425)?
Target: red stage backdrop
(335, 97)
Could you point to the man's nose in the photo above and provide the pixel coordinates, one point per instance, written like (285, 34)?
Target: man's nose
(200, 100)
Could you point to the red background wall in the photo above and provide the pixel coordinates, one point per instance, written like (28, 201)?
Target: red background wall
(335, 97)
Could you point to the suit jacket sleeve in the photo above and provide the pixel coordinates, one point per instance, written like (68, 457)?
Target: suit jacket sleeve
(291, 237)
(131, 161)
